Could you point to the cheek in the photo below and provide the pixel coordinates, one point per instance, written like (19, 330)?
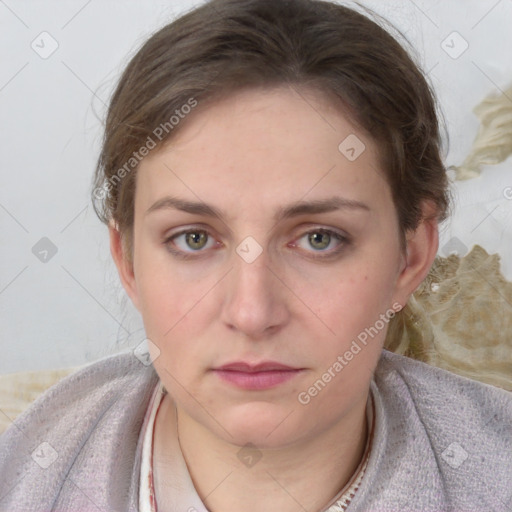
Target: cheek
(165, 293)
(353, 305)
(177, 309)
(174, 320)
(170, 307)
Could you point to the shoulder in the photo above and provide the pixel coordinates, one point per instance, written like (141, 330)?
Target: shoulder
(89, 421)
(464, 427)
(444, 391)
(92, 387)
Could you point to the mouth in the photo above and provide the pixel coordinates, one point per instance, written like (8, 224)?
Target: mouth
(259, 376)
(264, 366)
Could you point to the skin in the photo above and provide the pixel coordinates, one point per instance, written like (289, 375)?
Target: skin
(250, 155)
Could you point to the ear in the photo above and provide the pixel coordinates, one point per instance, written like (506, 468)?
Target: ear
(123, 263)
(421, 250)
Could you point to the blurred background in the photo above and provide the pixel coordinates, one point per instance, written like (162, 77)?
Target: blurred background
(61, 303)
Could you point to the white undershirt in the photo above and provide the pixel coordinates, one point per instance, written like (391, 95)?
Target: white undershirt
(186, 495)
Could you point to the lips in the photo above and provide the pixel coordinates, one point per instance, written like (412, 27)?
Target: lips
(261, 376)
(266, 366)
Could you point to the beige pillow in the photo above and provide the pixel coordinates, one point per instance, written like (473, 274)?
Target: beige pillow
(19, 390)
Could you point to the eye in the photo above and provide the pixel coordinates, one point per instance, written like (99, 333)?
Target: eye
(321, 240)
(188, 242)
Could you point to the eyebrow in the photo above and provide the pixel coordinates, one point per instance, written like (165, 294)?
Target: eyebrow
(293, 210)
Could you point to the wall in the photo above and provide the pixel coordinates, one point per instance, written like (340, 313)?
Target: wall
(61, 303)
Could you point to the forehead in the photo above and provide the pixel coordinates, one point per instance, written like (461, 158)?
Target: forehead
(282, 144)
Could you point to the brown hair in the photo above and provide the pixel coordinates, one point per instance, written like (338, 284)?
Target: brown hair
(226, 45)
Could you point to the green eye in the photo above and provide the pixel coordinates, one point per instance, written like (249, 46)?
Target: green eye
(319, 240)
(196, 239)
(325, 243)
(188, 242)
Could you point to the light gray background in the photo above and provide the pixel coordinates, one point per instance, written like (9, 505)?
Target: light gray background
(71, 309)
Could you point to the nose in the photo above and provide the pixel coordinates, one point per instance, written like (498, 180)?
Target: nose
(255, 298)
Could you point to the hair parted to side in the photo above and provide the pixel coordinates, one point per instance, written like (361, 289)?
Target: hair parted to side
(228, 45)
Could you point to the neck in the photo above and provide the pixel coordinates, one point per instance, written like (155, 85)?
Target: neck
(307, 474)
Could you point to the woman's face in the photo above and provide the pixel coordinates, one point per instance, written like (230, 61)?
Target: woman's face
(292, 256)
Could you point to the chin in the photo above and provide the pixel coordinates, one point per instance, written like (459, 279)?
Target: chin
(261, 424)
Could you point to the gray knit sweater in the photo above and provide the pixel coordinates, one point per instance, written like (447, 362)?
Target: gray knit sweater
(441, 442)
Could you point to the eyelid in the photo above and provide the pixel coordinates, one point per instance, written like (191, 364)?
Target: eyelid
(168, 240)
(169, 235)
(342, 237)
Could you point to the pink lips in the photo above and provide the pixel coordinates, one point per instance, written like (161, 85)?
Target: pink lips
(259, 376)
(264, 366)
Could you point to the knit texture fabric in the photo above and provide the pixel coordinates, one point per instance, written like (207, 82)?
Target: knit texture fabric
(441, 443)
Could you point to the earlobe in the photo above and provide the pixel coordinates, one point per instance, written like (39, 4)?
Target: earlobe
(123, 263)
(422, 246)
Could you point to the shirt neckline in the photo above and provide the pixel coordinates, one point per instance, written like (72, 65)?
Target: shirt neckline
(147, 497)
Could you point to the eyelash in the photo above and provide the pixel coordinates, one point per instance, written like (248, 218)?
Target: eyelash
(342, 239)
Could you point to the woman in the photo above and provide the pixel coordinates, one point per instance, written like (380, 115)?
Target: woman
(272, 182)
